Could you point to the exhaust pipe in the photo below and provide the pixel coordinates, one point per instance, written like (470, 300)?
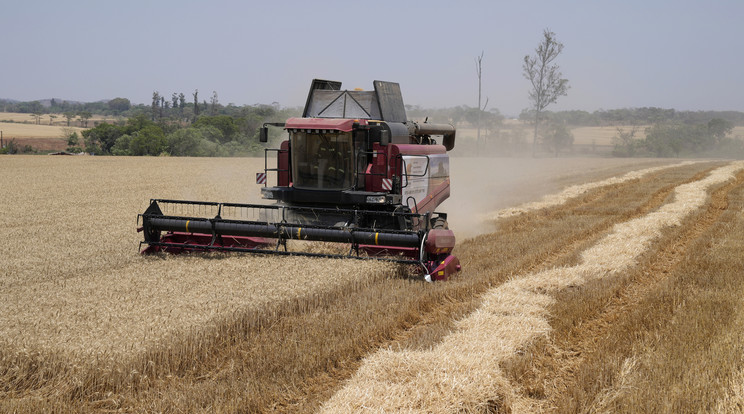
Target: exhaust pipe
(446, 130)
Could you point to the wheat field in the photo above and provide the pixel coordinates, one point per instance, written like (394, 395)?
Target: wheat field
(59, 119)
(72, 281)
(14, 130)
(551, 251)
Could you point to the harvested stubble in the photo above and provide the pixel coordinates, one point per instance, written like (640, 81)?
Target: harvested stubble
(76, 295)
(575, 191)
(733, 400)
(682, 333)
(462, 372)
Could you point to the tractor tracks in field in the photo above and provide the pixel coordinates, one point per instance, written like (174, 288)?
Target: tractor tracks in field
(475, 361)
(479, 252)
(410, 315)
(563, 253)
(578, 244)
(548, 372)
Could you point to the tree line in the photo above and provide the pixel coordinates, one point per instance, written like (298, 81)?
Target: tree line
(180, 129)
(676, 139)
(636, 116)
(186, 125)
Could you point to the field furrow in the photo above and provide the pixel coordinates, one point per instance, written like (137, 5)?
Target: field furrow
(587, 323)
(463, 371)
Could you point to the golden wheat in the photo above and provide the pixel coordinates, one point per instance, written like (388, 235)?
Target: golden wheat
(72, 281)
(15, 130)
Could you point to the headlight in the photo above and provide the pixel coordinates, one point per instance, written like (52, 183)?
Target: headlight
(378, 199)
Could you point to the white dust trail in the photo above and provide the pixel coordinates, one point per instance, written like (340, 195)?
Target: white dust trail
(552, 200)
(462, 372)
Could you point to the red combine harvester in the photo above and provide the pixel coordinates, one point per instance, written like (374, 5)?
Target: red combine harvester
(354, 171)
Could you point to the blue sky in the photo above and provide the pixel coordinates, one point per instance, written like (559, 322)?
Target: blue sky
(686, 55)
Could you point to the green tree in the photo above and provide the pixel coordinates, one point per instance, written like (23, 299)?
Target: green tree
(719, 128)
(121, 147)
(119, 105)
(72, 138)
(196, 104)
(103, 136)
(155, 104)
(211, 133)
(137, 122)
(185, 142)
(73, 141)
(545, 77)
(84, 117)
(225, 123)
(625, 143)
(149, 140)
(69, 116)
(558, 137)
(664, 140)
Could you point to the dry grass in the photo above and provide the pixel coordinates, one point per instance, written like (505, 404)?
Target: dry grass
(463, 371)
(60, 120)
(738, 132)
(14, 130)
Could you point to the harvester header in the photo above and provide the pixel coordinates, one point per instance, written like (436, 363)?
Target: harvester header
(354, 171)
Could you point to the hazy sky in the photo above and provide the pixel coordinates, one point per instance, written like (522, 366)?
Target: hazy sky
(678, 54)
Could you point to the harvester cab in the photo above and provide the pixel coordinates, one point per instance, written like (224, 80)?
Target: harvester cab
(353, 171)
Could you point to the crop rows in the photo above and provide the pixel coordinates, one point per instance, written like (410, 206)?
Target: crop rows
(88, 324)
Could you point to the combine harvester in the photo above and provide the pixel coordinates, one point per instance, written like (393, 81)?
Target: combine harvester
(354, 171)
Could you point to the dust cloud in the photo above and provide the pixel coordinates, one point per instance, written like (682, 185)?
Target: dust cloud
(483, 185)
(478, 185)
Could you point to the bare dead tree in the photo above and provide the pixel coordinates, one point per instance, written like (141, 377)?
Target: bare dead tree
(479, 72)
(545, 77)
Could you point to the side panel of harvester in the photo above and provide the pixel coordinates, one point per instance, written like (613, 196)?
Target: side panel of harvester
(424, 175)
